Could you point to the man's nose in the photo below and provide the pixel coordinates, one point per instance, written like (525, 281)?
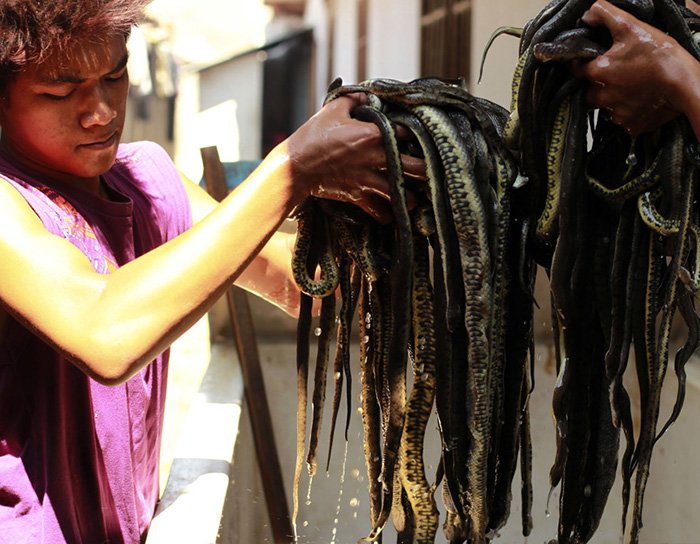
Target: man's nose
(99, 110)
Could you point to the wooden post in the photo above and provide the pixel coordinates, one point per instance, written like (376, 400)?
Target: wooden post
(253, 380)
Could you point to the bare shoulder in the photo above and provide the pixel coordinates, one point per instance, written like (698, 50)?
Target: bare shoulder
(15, 212)
(38, 270)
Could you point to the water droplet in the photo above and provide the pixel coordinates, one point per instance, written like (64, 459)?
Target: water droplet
(337, 375)
(354, 501)
(631, 159)
(520, 181)
(549, 496)
(308, 491)
(318, 331)
(305, 524)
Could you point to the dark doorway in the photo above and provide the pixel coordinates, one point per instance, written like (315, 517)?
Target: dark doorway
(286, 88)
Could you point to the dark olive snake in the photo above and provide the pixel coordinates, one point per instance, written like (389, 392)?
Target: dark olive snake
(611, 219)
(619, 248)
(452, 318)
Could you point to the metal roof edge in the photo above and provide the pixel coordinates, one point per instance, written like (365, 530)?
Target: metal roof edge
(248, 52)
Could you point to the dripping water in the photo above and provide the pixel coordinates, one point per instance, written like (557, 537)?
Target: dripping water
(334, 532)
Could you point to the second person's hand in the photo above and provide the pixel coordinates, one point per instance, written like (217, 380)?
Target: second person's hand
(641, 79)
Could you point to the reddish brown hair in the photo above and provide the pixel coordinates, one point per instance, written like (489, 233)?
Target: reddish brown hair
(31, 28)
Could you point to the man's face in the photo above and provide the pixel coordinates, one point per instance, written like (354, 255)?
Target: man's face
(63, 118)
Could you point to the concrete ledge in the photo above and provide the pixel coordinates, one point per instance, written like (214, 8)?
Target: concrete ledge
(191, 506)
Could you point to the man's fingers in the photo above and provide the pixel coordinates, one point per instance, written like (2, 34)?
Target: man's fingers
(402, 133)
(377, 208)
(413, 167)
(595, 94)
(598, 14)
(603, 13)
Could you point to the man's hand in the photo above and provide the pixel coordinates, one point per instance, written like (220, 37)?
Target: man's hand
(639, 80)
(337, 157)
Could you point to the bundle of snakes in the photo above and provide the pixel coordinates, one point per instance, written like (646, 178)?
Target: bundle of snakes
(434, 291)
(613, 220)
(447, 288)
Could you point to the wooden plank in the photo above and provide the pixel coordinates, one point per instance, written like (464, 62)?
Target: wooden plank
(253, 379)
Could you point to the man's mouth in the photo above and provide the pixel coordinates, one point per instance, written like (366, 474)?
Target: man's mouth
(108, 141)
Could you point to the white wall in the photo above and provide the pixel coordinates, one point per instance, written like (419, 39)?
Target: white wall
(393, 34)
(220, 106)
(487, 16)
(316, 17)
(345, 40)
(393, 46)
(394, 41)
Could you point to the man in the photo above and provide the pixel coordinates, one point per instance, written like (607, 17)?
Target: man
(107, 256)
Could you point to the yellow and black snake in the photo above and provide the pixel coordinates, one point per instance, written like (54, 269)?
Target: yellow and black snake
(611, 220)
(449, 325)
(443, 296)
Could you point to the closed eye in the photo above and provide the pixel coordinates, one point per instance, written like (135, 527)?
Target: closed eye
(117, 76)
(53, 96)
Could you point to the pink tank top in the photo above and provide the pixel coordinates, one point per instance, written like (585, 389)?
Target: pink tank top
(79, 460)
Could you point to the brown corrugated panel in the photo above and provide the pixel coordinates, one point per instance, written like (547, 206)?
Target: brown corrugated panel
(445, 38)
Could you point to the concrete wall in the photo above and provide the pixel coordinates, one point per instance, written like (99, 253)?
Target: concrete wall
(393, 39)
(153, 128)
(220, 105)
(487, 16)
(393, 58)
(335, 507)
(344, 38)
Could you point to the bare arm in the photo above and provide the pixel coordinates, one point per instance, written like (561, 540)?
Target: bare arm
(269, 275)
(112, 325)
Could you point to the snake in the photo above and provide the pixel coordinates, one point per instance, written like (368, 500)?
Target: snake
(448, 324)
(612, 222)
(629, 221)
